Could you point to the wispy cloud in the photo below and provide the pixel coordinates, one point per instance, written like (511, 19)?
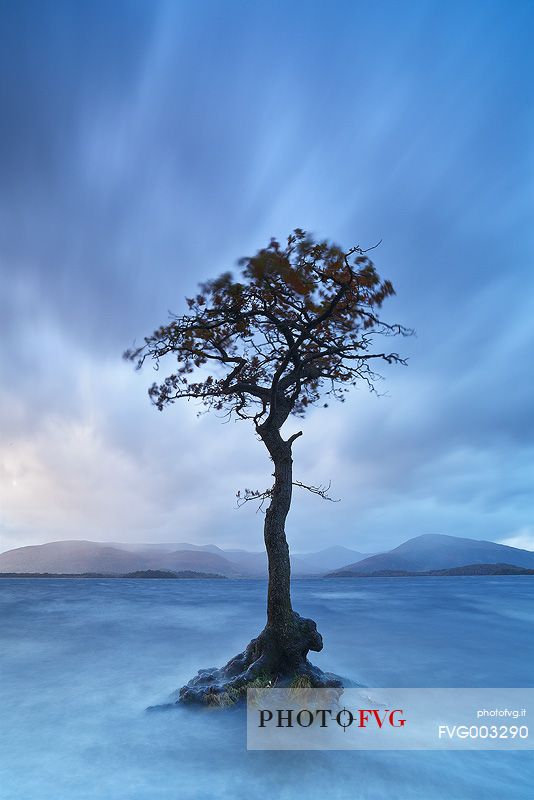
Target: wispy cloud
(523, 538)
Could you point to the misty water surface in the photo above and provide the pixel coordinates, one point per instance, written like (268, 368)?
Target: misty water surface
(81, 660)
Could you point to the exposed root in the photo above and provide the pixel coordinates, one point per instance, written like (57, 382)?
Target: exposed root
(277, 657)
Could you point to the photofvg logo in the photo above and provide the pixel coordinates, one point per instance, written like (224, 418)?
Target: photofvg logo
(389, 719)
(305, 717)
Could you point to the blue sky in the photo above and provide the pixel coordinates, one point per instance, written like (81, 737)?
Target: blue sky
(145, 146)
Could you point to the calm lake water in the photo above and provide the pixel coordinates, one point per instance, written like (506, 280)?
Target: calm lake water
(81, 660)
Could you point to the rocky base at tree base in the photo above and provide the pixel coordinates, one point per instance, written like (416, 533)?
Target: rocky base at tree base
(276, 658)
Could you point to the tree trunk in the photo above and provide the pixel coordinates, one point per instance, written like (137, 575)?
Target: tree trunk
(278, 656)
(287, 638)
(279, 610)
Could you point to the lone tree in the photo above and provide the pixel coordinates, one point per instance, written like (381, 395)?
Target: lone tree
(297, 327)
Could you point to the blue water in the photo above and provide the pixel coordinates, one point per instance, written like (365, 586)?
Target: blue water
(81, 660)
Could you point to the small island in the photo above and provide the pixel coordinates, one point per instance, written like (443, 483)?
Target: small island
(469, 569)
(163, 573)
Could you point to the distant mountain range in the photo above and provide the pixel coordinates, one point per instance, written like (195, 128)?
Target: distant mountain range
(78, 557)
(437, 552)
(425, 553)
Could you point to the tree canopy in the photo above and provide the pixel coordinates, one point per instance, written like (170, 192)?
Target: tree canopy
(297, 325)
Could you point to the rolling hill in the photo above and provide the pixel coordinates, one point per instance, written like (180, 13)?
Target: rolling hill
(79, 557)
(438, 551)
